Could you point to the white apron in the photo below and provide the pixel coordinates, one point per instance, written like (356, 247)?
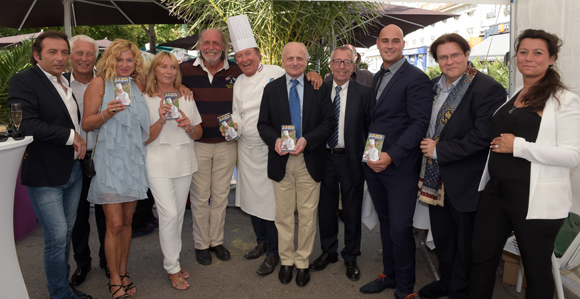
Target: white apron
(254, 190)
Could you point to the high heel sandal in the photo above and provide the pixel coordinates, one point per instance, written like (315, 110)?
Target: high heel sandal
(182, 282)
(124, 296)
(130, 286)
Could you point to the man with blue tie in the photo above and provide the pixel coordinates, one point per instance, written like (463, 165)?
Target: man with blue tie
(291, 100)
(401, 113)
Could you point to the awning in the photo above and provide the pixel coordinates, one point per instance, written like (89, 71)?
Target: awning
(492, 48)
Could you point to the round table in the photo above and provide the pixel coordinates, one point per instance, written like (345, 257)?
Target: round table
(11, 281)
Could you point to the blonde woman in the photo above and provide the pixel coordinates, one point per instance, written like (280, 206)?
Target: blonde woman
(170, 159)
(119, 156)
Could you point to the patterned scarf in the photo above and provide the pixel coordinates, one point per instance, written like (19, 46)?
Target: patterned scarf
(431, 189)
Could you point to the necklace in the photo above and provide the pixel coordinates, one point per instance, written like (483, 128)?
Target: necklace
(513, 109)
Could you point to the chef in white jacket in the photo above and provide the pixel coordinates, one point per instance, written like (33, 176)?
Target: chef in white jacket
(254, 190)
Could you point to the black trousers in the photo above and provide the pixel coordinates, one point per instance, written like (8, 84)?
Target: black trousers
(503, 209)
(82, 229)
(452, 233)
(395, 198)
(143, 212)
(337, 178)
(266, 233)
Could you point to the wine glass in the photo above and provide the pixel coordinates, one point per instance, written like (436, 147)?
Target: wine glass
(16, 113)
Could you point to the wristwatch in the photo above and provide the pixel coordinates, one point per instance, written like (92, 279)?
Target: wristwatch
(190, 132)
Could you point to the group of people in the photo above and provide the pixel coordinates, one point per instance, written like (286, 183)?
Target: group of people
(487, 167)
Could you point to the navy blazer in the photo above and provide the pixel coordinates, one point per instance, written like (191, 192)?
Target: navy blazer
(46, 118)
(318, 123)
(359, 104)
(464, 141)
(402, 114)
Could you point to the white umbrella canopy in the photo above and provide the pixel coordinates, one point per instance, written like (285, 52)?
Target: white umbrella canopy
(16, 39)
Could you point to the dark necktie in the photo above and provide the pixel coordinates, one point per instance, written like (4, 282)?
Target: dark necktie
(333, 140)
(295, 108)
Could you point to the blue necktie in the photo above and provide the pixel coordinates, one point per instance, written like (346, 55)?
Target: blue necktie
(295, 108)
(333, 140)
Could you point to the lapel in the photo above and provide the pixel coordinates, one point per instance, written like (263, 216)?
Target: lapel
(351, 101)
(394, 79)
(52, 89)
(283, 100)
(307, 102)
(546, 136)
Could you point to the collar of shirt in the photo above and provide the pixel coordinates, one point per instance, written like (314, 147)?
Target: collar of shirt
(72, 78)
(342, 91)
(443, 84)
(55, 81)
(199, 59)
(393, 68)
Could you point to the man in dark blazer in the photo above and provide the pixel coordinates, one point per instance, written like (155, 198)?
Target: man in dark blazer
(401, 113)
(344, 150)
(291, 100)
(458, 142)
(51, 170)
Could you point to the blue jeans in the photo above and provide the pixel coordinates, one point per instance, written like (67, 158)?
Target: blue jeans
(56, 210)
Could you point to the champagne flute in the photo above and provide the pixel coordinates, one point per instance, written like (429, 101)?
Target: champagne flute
(16, 113)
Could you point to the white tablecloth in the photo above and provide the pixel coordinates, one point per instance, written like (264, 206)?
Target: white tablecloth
(11, 282)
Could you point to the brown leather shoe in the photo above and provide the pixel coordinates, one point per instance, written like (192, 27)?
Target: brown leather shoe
(268, 266)
(256, 252)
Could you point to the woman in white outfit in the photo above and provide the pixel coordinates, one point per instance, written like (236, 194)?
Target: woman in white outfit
(527, 176)
(170, 159)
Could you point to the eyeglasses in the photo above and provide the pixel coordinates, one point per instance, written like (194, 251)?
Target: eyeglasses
(452, 56)
(337, 62)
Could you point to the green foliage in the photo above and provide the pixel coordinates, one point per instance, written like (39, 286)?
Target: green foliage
(433, 71)
(495, 69)
(318, 62)
(12, 61)
(276, 23)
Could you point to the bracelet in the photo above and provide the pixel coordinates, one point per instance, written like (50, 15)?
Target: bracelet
(189, 133)
(159, 121)
(103, 116)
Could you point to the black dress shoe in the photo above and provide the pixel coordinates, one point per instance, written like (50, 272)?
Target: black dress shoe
(302, 277)
(76, 294)
(104, 265)
(285, 274)
(268, 266)
(401, 295)
(322, 261)
(221, 252)
(433, 290)
(256, 252)
(203, 256)
(378, 285)
(79, 276)
(352, 270)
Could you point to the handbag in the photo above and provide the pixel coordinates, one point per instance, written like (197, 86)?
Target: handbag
(87, 164)
(567, 234)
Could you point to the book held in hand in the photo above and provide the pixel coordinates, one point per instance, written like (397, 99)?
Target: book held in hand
(288, 138)
(227, 125)
(373, 147)
(123, 90)
(172, 99)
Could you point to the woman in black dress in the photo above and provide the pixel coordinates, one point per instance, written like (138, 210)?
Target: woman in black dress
(536, 141)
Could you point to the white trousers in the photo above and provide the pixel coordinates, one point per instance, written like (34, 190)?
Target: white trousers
(170, 198)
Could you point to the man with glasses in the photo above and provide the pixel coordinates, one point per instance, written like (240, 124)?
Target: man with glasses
(343, 168)
(454, 156)
(359, 75)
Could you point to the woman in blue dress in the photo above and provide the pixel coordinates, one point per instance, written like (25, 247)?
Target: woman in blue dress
(119, 154)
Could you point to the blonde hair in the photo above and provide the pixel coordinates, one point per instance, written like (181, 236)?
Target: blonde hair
(107, 66)
(152, 87)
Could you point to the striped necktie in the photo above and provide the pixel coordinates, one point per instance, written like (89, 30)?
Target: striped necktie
(333, 140)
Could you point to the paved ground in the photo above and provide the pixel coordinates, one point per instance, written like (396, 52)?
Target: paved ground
(236, 278)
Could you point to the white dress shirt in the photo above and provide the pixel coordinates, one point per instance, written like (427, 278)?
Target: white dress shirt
(66, 94)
